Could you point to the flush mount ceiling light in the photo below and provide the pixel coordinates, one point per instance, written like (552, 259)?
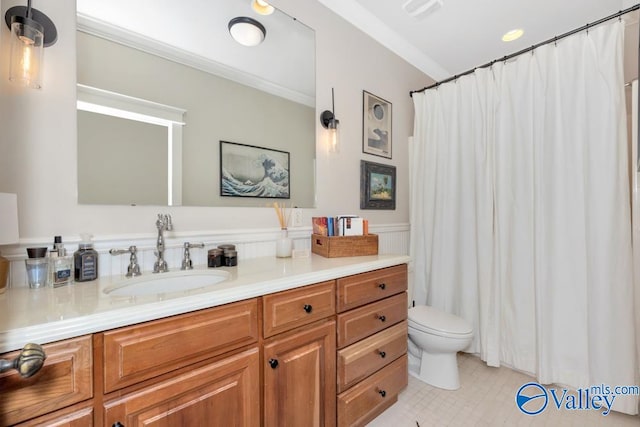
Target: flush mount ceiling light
(31, 32)
(247, 31)
(262, 7)
(512, 35)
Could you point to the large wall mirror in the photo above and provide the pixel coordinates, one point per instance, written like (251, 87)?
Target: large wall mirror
(162, 83)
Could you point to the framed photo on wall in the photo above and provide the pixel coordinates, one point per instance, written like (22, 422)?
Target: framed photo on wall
(376, 125)
(251, 171)
(377, 186)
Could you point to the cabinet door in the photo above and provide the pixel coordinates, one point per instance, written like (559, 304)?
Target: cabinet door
(300, 377)
(223, 393)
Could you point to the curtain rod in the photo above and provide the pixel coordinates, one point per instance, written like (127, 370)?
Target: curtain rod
(529, 49)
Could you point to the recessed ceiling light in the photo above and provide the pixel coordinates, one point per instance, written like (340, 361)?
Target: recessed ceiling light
(512, 35)
(262, 7)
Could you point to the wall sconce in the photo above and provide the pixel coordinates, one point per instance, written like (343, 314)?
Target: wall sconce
(8, 232)
(31, 32)
(247, 31)
(329, 122)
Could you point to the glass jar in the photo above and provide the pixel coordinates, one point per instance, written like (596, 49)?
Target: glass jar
(215, 258)
(230, 258)
(284, 244)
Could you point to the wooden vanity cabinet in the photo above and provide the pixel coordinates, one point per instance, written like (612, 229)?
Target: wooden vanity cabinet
(65, 379)
(299, 362)
(372, 343)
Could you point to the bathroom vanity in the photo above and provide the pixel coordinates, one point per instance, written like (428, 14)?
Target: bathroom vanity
(311, 341)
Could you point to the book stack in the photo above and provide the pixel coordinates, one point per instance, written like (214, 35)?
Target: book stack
(342, 225)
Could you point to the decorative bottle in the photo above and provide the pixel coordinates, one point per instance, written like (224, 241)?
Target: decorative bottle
(284, 244)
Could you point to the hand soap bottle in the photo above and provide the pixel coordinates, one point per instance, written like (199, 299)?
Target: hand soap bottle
(60, 265)
(85, 261)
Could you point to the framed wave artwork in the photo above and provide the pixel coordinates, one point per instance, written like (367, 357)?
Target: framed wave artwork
(251, 171)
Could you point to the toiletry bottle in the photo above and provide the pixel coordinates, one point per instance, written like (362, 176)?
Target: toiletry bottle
(85, 261)
(60, 264)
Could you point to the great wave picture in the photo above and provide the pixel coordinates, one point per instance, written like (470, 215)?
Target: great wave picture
(250, 171)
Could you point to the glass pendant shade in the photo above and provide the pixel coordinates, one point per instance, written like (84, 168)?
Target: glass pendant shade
(27, 48)
(333, 135)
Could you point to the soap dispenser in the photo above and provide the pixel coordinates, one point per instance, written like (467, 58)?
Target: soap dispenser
(85, 260)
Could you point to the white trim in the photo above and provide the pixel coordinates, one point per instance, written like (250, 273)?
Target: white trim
(98, 28)
(128, 107)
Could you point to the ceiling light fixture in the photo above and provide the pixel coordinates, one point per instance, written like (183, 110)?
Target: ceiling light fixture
(247, 31)
(31, 32)
(512, 35)
(262, 7)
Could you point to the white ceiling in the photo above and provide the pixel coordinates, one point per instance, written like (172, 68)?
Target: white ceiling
(463, 34)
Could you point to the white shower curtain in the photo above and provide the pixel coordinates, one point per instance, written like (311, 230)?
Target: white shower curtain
(520, 211)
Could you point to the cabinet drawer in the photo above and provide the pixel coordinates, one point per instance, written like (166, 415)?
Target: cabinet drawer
(367, 399)
(364, 321)
(358, 290)
(222, 393)
(141, 352)
(64, 418)
(289, 309)
(365, 357)
(65, 379)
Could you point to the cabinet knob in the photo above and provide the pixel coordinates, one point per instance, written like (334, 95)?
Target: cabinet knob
(382, 286)
(28, 362)
(382, 393)
(273, 363)
(382, 318)
(308, 308)
(117, 424)
(382, 354)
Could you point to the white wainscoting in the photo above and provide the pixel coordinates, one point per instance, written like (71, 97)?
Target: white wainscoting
(392, 239)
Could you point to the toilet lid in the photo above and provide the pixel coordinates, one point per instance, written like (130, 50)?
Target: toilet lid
(430, 319)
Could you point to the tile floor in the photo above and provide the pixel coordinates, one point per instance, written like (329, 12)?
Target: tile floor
(485, 398)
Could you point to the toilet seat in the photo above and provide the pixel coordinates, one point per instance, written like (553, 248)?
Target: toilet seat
(433, 321)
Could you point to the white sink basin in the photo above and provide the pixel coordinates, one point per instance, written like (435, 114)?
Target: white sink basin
(175, 281)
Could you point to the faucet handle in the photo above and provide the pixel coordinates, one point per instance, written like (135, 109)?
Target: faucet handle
(133, 269)
(187, 264)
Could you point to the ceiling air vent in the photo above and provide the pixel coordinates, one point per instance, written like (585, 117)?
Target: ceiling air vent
(421, 8)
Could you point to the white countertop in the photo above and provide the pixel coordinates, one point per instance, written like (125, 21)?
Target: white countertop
(47, 315)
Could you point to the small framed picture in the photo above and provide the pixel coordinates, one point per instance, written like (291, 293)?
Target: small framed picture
(250, 171)
(377, 186)
(376, 125)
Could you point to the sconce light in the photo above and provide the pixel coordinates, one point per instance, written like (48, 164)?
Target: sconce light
(247, 31)
(31, 32)
(329, 122)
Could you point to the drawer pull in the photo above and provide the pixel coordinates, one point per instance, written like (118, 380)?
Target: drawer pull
(382, 354)
(382, 286)
(28, 362)
(308, 308)
(273, 363)
(117, 424)
(382, 393)
(382, 318)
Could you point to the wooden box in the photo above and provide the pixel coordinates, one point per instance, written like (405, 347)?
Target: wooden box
(341, 246)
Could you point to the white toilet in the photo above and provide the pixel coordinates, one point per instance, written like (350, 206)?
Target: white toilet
(435, 337)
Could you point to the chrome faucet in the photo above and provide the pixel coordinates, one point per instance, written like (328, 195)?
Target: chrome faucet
(163, 223)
